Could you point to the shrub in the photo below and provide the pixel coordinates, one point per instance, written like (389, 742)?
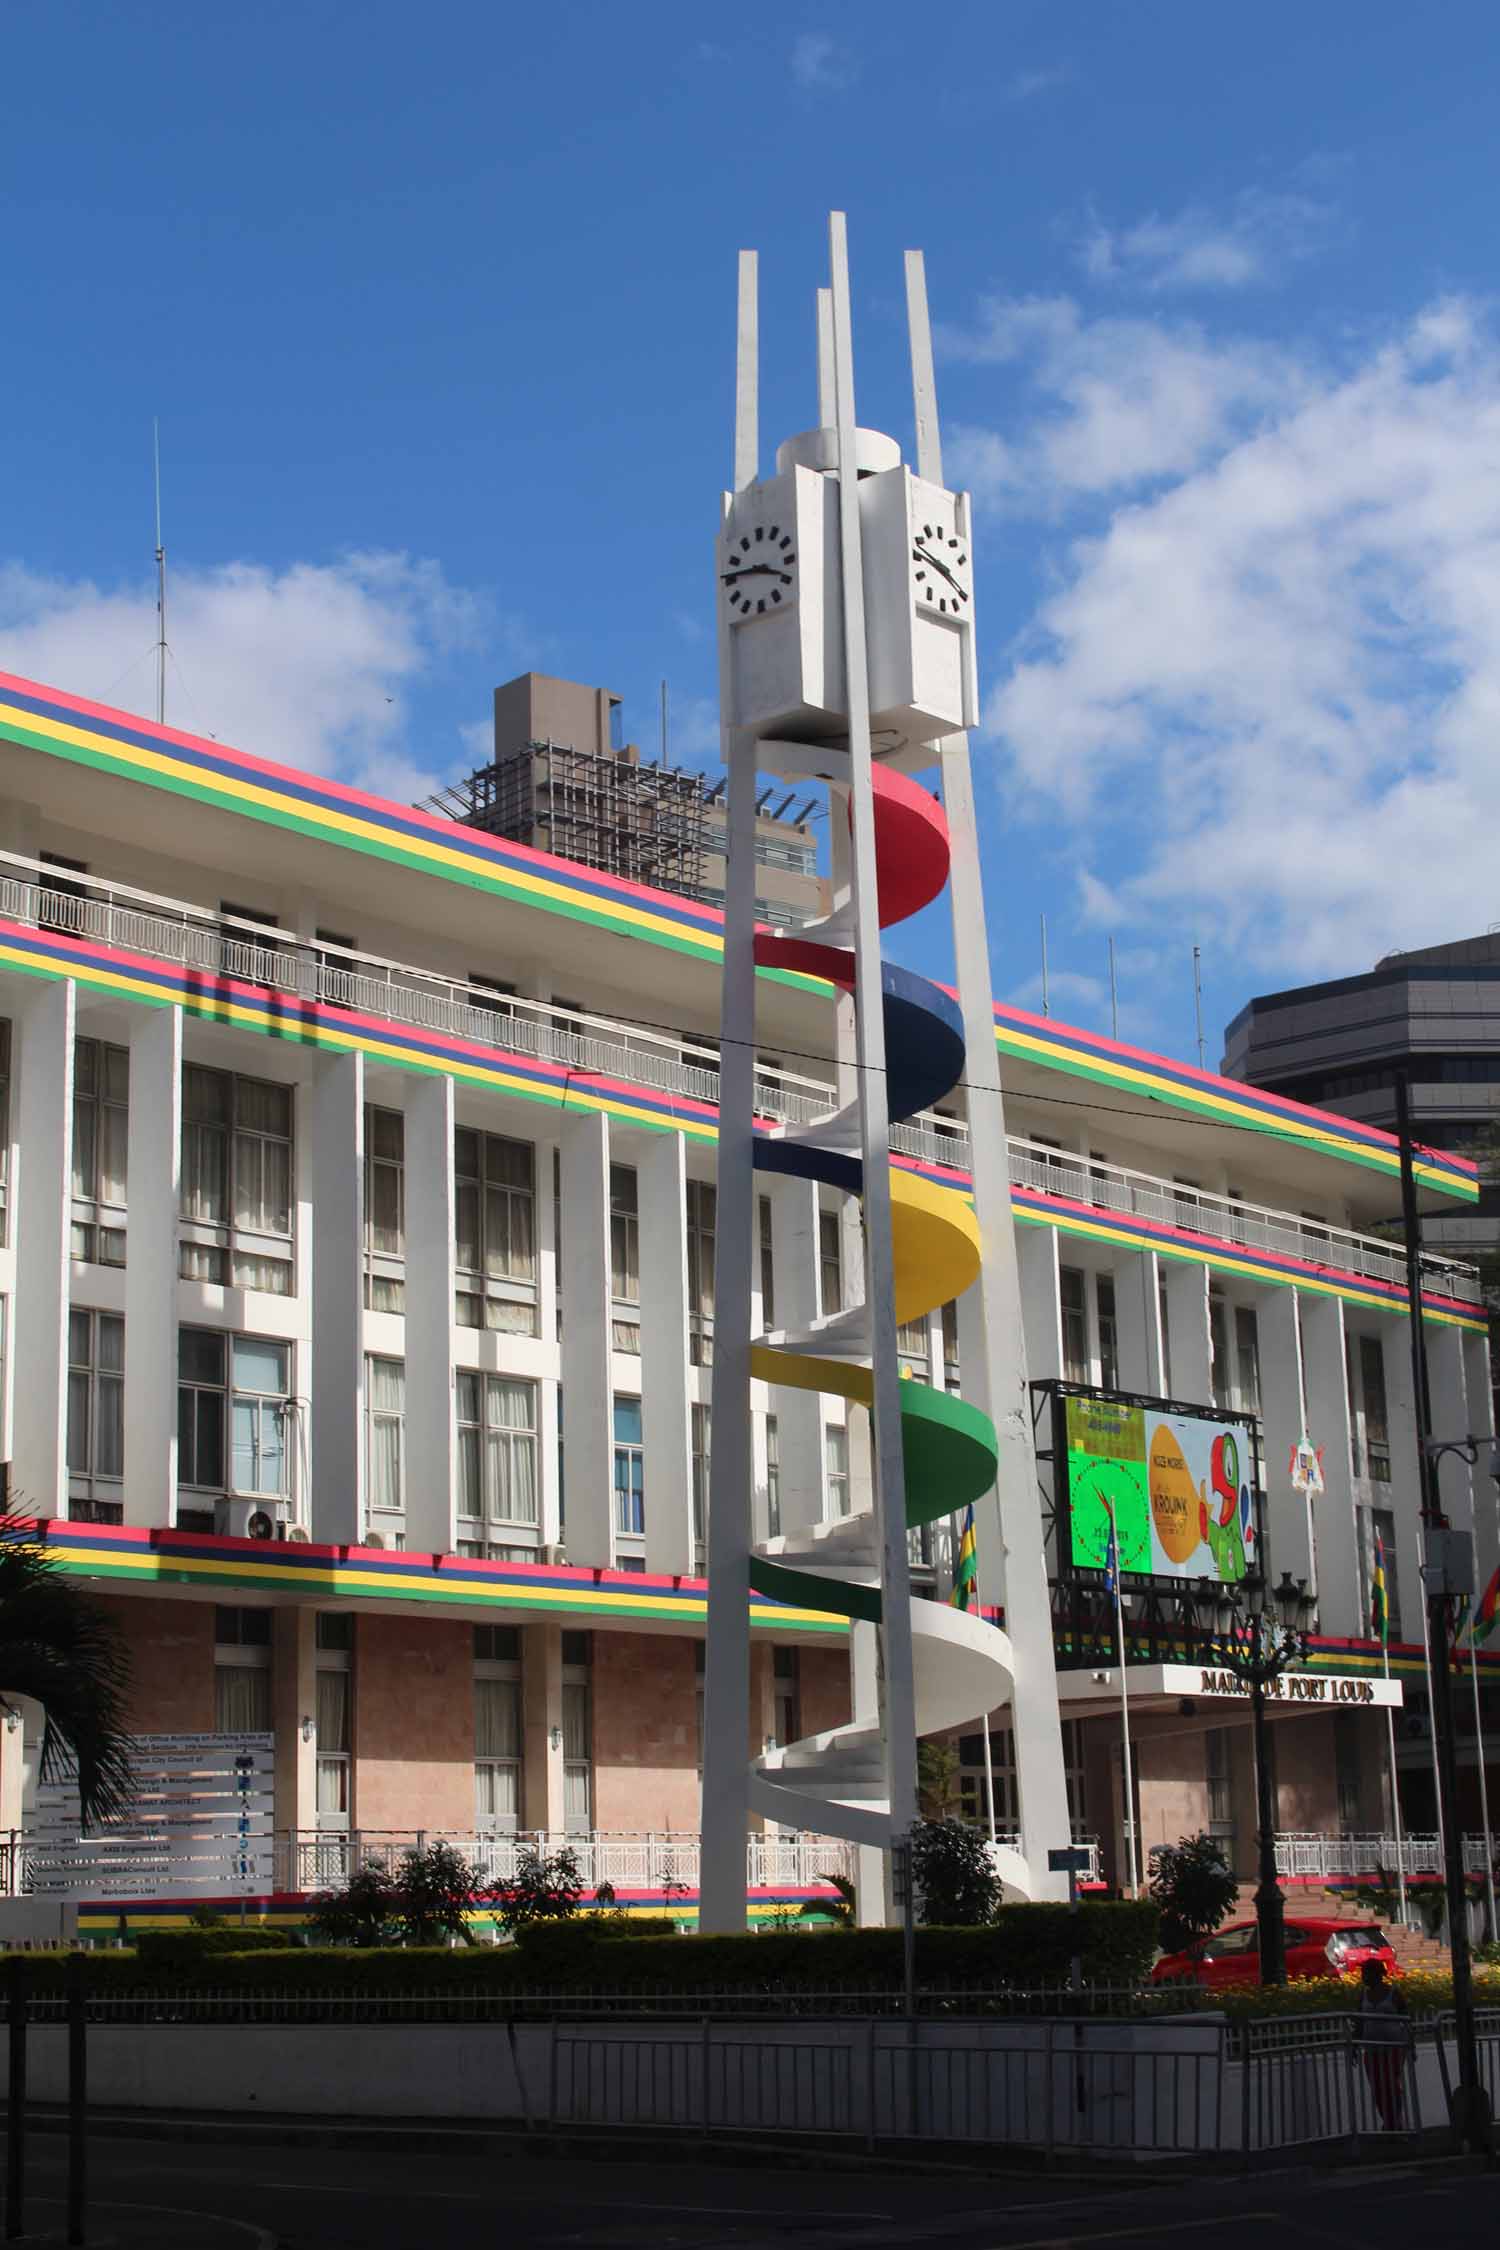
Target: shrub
(541, 1890)
(365, 1912)
(1193, 1888)
(841, 1910)
(171, 1951)
(956, 1884)
(434, 1890)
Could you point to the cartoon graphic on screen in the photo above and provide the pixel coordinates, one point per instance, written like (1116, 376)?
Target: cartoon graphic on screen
(1178, 1487)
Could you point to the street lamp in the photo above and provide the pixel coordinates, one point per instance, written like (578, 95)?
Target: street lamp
(1257, 1633)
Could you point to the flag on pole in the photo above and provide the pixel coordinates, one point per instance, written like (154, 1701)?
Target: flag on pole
(966, 1565)
(1380, 1615)
(1483, 1623)
(1112, 1561)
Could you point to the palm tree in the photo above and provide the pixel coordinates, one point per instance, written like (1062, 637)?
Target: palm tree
(60, 1648)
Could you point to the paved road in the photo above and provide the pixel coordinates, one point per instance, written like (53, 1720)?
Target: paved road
(200, 2195)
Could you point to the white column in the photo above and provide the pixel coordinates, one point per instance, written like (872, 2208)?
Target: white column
(1138, 1312)
(1450, 1419)
(799, 1414)
(154, 1155)
(1481, 1425)
(1403, 1495)
(1187, 1323)
(335, 1101)
(661, 1182)
(1041, 1301)
(587, 1401)
(429, 1315)
(1288, 1524)
(41, 1199)
(1341, 1604)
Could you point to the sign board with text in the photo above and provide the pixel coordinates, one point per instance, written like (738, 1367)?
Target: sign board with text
(1178, 1482)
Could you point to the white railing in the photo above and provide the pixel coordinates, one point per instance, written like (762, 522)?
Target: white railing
(170, 930)
(1317, 1857)
(648, 1860)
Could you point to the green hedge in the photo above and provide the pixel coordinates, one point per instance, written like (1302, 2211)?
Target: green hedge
(1025, 1947)
(171, 1951)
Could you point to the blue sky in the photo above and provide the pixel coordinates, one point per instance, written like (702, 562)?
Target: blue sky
(436, 311)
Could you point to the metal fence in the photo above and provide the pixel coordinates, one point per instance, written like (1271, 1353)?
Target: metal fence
(1321, 1857)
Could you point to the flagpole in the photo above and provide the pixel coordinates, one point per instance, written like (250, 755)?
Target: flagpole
(1484, 1793)
(1132, 1859)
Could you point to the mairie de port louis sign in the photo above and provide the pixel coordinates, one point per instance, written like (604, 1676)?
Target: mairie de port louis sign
(1339, 1690)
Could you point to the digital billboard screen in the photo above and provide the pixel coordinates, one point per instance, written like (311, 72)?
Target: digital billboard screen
(1180, 1481)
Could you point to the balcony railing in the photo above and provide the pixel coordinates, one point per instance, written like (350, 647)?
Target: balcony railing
(1319, 1858)
(222, 946)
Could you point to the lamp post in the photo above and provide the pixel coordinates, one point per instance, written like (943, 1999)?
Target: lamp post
(1257, 1633)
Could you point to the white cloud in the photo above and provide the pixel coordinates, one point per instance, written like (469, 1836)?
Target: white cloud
(1268, 693)
(313, 664)
(1027, 84)
(1253, 240)
(1121, 401)
(819, 64)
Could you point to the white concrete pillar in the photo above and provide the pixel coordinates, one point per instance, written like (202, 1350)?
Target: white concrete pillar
(430, 1437)
(335, 1101)
(1187, 1321)
(799, 1414)
(541, 1721)
(1403, 1494)
(1041, 1301)
(1288, 1516)
(41, 1197)
(1482, 1426)
(154, 1157)
(661, 1186)
(1137, 1312)
(587, 1401)
(1341, 1603)
(1450, 1419)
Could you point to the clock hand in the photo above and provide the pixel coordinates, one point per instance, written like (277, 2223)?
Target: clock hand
(754, 570)
(941, 568)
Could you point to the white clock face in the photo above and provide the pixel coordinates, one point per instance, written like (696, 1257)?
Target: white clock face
(941, 577)
(759, 571)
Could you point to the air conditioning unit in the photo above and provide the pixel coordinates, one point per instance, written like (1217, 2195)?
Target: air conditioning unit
(251, 1519)
(1416, 1726)
(299, 1535)
(376, 1539)
(553, 1555)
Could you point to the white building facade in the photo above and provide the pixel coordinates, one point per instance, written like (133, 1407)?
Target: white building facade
(358, 1302)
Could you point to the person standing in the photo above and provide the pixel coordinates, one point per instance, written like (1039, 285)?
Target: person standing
(1384, 2036)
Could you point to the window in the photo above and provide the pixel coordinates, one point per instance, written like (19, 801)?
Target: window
(101, 1111)
(96, 1396)
(1217, 1767)
(773, 1478)
(578, 1733)
(702, 1446)
(385, 1434)
(253, 1407)
(385, 1206)
(1075, 1778)
(236, 1173)
(972, 1791)
(702, 1210)
(630, 1471)
(1109, 1331)
(1247, 1359)
(830, 1262)
(494, 1206)
(836, 1468)
(54, 907)
(786, 1722)
(1383, 1523)
(625, 1258)
(497, 1729)
(4, 1116)
(1376, 1430)
(333, 1760)
(1075, 1324)
(242, 1671)
(336, 973)
(1166, 1333)
(767, 1267)
(913, 1346)
(497, 1467)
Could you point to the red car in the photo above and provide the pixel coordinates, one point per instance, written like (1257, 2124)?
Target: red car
(1317, 1945)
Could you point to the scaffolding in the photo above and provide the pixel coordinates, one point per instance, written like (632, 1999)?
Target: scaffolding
(602, 809)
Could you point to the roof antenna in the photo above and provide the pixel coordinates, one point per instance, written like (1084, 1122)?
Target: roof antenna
(161, 586)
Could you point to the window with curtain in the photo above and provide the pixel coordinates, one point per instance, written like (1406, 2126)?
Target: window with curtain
(773, 1478)
(578, 1754)
(236, 1179)
(262, 1156)
(497, 1448)
(830, 1262)
(767, 1266)
(242, 1699)
(951, 1372)
(836, 1468)
(385, 1182)
(101, 1098)
(201, 1365)
(1075, 1324)
(494, 1222)
(1109, 1331)
(912, 1347)
(96, 1395)
(625, 1257)
(1247, 1359)
(385, 1433)
(702, 1444)
(206, 1112)
(497, 1751)
(702, 1216)
(332, 1752)
(630, 1471)
(1377, 1434)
